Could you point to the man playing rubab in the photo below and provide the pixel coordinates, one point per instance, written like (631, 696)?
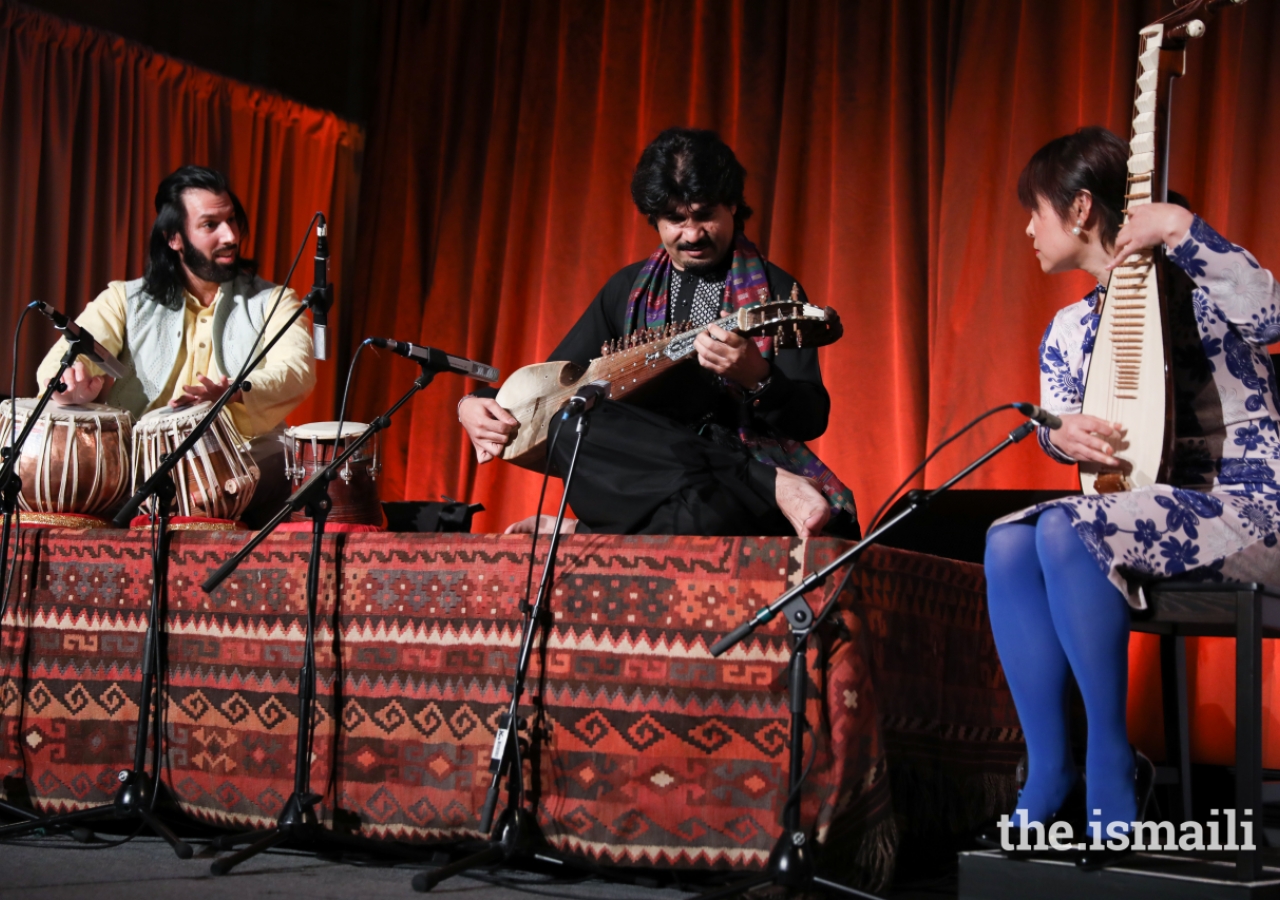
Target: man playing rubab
(714, 448)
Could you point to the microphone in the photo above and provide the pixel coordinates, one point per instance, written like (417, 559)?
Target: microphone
(321, 293)
(436, 360)
(99, 354)
(587, 397)
(1038, 415)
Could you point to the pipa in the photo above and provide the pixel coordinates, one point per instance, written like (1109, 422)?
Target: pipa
(1130, 374)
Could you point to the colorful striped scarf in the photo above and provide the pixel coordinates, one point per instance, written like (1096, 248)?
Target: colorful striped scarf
(746, 285)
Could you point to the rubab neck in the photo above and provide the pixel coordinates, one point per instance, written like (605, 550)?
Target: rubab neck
(674, 341)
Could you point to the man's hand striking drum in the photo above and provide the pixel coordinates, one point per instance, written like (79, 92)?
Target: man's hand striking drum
(207, 391)
(489, 426)
(82, 387)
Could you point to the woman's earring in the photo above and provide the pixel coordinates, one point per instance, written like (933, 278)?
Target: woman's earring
(1076, 230)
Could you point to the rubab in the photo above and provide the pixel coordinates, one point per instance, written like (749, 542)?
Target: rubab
(536, 394)
(1130, 374)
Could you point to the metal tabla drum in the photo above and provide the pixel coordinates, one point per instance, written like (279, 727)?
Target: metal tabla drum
(218, 476)
(76, 459)
(354, 493)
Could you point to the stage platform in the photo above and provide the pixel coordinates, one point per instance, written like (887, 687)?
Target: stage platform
(648, 751)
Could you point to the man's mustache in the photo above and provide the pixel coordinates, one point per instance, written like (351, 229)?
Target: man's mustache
(696, 245)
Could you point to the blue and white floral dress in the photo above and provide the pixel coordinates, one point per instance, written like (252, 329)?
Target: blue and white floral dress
(1220, 517)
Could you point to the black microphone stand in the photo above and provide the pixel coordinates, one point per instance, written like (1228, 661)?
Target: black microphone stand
(298, 819)
(791, 862)
(11, 488)
(517, 834)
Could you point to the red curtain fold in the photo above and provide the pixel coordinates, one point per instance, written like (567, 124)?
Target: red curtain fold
(882, 140)
(92, 123)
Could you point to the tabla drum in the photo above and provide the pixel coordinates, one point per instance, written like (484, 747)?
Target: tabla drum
(75, 461)
(218, 477)
(354, 493)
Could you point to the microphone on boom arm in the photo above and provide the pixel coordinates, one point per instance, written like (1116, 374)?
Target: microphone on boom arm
(99, 354)
(1038, 415)
(587, 397)
(437, 360)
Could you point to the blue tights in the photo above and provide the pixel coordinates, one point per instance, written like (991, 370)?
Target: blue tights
(1053, 612)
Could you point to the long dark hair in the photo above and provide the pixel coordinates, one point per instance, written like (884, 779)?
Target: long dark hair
(684, 166)
(163, 280)
(1092, 159)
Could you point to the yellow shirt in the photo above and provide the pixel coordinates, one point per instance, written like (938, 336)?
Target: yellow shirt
(283, 381)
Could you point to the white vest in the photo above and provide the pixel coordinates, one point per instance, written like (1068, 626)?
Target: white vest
(154, 334)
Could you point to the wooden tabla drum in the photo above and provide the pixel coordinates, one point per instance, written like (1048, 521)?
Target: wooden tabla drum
(218, 477)
(354, 493)
(76, 459)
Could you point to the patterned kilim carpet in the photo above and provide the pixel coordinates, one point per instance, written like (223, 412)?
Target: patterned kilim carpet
(643, 749)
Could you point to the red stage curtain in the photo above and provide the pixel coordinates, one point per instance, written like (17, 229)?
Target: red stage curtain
(92, 123)
(882, 140)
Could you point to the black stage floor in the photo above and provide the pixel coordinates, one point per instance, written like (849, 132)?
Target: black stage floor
(58, 868)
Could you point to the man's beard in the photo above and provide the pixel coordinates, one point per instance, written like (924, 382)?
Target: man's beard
(204, 267)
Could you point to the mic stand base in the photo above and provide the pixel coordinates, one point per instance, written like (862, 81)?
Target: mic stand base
(298, 824)
(136, 796)
(515, 837)
(133, 800)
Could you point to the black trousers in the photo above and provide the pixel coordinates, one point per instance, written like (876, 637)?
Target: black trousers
(642, 473)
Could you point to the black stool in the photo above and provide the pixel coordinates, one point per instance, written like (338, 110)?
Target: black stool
(1247, 612)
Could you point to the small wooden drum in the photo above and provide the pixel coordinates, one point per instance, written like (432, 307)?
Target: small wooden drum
(354, 493)
(218, 477)
(76, 459)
